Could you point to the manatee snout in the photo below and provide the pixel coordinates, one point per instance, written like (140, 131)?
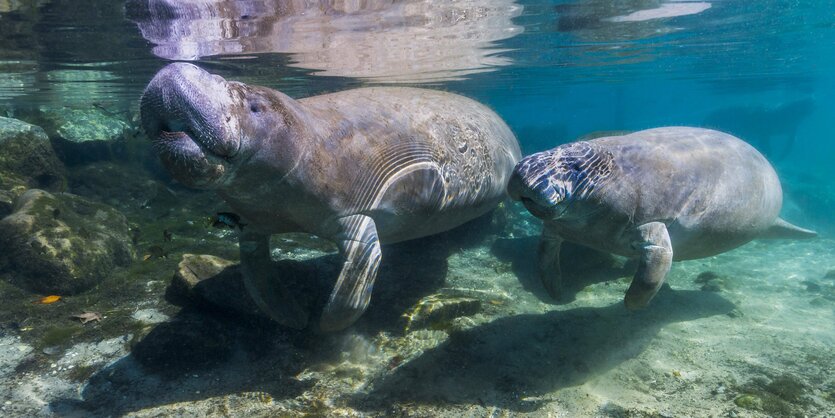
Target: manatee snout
(191, 117)
(533, 186)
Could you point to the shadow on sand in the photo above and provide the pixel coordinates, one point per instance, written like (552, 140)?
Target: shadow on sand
(512, 360)
(207, 351)
(581, 266)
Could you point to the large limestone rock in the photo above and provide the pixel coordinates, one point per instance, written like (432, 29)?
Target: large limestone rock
(27, 160)
(61, 243)
(84, 135)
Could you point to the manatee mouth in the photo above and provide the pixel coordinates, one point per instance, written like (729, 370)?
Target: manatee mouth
(540, 211)
(175, 137)
(178, 141)
(187, 157)
(189, 115)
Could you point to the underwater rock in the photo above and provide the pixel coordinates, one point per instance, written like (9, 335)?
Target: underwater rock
(120, 185)
(61, 243)
(210, 282)
(7, 199)
(84, 135)
(748, 402)
(27, 159)
(438, 310)
(149, 316)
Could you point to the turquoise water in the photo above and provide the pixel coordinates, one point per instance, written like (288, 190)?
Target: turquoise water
(745, 333)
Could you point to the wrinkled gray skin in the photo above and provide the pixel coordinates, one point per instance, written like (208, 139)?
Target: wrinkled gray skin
(359, 167)
(664, 194)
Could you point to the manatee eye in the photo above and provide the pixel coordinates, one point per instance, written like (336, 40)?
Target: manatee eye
(254, 108)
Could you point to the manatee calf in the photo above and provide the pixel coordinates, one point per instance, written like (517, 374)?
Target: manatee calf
(664, 194)
(360, 167)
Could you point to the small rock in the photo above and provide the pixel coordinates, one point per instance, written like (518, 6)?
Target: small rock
(149, 316)
(210, 282)
(51, 351)
(194, 268)
(62, 243)
(27, 158)
(434, 311)
(750, 402)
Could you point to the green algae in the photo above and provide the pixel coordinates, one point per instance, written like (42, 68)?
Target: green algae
(750, 402)
(787, 388)
(58, 336)
(705, 277)
(437, 311)
(784, 395)
(81, 373)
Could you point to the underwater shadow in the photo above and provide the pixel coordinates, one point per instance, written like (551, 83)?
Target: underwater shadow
(581, 266)
(214, 349)
(511, 361)
(193, 357)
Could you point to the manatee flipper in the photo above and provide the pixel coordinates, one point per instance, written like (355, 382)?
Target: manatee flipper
(656, 258)
(268, 292)
(360, 250)
(549, 261)
(783, 229)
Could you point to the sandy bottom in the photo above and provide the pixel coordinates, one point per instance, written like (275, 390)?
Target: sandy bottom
(749, 333)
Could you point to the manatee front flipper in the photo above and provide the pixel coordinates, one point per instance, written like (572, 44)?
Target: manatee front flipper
(549, 261)
(656, 257)
(360, 250)
(268, 292)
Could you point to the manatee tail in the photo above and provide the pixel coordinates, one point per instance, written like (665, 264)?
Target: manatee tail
(782, 229)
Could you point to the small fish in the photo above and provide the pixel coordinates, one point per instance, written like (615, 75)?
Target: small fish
(154, 252)
(226, 220)
(56, 213)
(86, 317)
(167, 235)
(21, 326)
(46, 300)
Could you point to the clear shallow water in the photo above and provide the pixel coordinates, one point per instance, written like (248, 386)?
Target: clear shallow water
(554, 71)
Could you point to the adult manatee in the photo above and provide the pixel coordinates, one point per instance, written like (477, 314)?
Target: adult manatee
(359, 167)
(664, 194)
